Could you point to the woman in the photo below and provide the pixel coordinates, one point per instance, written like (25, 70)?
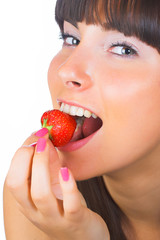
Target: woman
(109, 66)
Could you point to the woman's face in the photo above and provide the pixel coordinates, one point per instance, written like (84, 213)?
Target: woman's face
(118, 79)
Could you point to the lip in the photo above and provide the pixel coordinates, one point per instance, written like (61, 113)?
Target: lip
(73, 146)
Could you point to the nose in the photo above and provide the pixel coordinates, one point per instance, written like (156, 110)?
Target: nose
(75, 71)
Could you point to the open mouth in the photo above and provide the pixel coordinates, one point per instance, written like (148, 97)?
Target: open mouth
(86, 127)
(87, 122)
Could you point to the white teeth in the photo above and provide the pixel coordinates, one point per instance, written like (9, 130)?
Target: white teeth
(80, 112)
(73, 110)
(62, 107)
(94, 115)
(76, 111)
(66, 108)
(87, 114)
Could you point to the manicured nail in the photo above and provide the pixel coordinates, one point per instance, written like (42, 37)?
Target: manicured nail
(41, 144)
(65, 174)
(42, 132)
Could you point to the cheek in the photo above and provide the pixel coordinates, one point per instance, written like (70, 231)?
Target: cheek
(130, 106)
(132, 117)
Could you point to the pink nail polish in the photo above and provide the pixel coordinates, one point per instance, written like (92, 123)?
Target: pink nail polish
(41, 144)
(65, 174)
(42, 132)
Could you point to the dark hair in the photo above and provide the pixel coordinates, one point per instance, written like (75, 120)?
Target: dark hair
(100, 201)
(139, 18)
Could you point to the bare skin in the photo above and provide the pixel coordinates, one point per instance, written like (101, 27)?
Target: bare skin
(124, 91)
(35, 210)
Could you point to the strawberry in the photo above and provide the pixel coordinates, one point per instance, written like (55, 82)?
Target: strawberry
(61, 126)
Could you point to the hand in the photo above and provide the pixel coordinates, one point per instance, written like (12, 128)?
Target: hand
(36, 182)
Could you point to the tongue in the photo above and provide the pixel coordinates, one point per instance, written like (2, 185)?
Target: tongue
(78, 134)
(91, 125)
(86, 128)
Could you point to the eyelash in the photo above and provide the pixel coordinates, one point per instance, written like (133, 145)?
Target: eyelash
(64, 36)
(124, 45)
(132, 51)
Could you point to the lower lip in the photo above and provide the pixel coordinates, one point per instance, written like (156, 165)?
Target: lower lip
(73, 146)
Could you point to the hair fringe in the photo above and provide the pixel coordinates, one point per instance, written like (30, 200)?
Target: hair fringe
(139, 18)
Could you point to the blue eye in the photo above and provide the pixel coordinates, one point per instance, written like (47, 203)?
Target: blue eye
(69, 40)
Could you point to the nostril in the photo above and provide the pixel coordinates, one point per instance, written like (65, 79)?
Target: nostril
(73, 84)
(76, 84)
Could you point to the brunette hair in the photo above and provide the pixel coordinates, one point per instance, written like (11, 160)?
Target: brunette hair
(139, 18)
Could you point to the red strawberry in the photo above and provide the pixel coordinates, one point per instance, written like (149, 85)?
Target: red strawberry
(61, 126)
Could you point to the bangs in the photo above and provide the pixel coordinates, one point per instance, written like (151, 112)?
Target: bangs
(139, 18)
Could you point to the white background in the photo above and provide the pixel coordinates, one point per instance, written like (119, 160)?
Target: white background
(29, 38)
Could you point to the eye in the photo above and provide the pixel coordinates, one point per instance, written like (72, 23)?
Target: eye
(69, 40)
(123, 49)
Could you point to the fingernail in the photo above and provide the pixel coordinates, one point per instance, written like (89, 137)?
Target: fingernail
(42, 132)
(65, 174)
(41, 144)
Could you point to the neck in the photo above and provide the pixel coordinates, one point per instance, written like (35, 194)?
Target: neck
(136, 190)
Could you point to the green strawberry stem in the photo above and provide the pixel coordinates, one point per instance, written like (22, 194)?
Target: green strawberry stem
(48, 127)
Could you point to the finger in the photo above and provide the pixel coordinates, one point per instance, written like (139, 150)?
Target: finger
(55, 164)
(73, 202)
(18, 177)
(32, 140)
(41, 191)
